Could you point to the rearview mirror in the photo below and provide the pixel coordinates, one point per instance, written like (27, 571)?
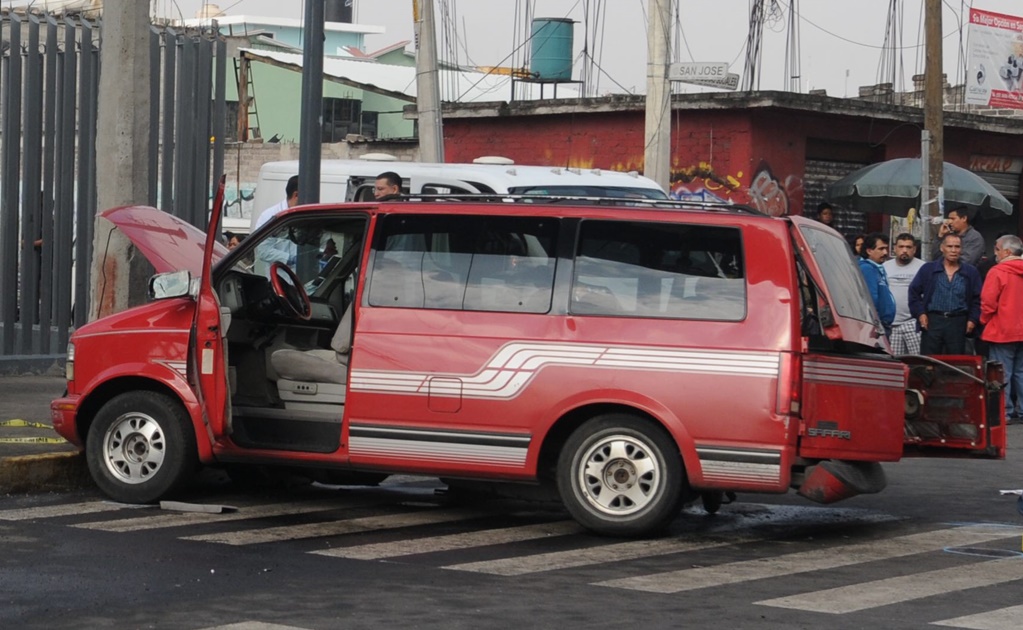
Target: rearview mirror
(171, 285)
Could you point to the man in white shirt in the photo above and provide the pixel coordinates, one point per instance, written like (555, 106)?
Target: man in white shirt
(289, 201)
(275, 249)
(905, 339)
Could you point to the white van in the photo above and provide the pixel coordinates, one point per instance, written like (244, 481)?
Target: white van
(352, 180)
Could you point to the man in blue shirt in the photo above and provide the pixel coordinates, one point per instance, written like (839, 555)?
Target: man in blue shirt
(872, 256)
(944, 298)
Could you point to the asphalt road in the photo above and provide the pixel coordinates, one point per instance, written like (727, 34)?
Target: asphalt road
(938, 545)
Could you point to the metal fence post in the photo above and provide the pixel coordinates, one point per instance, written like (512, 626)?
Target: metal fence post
(10, 163)
(48, 222)
(31, 176)
(84, 211)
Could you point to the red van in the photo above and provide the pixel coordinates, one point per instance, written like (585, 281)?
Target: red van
(633, 358)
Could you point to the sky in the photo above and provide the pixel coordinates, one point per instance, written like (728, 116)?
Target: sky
(840, 41)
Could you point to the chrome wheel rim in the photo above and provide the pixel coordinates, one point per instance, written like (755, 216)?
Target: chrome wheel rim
(134, 447)
(619, 475)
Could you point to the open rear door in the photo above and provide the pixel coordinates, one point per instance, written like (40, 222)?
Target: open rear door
(207, 366)
(954, 407)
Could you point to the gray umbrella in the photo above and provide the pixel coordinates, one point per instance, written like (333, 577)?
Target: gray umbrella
(893, 187)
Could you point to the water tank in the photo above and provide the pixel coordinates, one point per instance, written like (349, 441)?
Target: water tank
(551, 51)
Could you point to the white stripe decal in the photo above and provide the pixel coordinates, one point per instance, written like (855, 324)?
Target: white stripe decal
(437, 451)
(813, 560)
(181, 367)
(745, 471)
(465, 540)
(847, 599)
(511, 368)
(888, 377)
(1001, 619)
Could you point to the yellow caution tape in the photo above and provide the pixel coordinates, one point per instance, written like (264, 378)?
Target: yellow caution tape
(33, 440)
(17, 422)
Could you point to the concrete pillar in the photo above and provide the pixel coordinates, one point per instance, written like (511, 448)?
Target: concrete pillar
(119, 276)
(657, 144)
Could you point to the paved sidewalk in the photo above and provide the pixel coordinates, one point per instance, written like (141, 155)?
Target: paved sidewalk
(34, 457)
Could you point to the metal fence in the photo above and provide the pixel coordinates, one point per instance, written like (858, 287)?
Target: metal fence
(49, 79)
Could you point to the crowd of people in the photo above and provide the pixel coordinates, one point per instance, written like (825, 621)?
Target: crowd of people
(961, 302)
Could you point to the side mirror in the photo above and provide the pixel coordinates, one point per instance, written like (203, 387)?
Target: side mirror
(171, 285)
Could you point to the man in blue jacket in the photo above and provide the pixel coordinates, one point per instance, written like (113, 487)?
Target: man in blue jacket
(944, 298)
(872, 256)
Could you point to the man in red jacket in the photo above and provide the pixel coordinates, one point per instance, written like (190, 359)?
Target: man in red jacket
(1001, 307)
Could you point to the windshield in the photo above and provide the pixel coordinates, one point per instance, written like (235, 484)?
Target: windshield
(614, 192)
(849, 294)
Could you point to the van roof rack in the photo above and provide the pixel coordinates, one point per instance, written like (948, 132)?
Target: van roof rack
(658, 204)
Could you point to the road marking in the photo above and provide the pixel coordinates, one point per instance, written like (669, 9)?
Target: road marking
(614, 552)
(1001, 619)
(176, 519)
(71, 509)
(466, 540)
(336, 528)
(847, 599)
(254, 625)
(813, 560)
(637, 549)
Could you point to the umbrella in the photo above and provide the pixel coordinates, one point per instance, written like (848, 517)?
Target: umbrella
(893, 187)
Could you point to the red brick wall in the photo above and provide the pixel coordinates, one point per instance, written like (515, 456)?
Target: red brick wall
(753, 156)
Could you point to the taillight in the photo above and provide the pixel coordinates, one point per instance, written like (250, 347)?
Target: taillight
(790, 384)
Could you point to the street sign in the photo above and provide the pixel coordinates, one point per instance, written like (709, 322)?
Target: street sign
(702, 71)
(730, 82)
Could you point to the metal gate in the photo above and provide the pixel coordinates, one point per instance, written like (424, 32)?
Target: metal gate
(818, 174)
(49, 78)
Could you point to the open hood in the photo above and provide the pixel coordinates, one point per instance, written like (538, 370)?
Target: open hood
(167, 242)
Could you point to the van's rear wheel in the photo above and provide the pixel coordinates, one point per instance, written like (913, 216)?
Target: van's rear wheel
(141, 447)
(621, 475)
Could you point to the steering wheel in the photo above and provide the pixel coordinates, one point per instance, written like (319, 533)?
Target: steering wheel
(288, 287)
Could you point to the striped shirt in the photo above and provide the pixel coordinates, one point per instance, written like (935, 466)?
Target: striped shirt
(949, 295)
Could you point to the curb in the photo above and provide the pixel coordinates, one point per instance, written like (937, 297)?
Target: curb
(44, 365)
(47, 471)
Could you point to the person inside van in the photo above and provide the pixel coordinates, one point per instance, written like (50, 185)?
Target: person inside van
(387, 187)
(232, 239)
(289, 201)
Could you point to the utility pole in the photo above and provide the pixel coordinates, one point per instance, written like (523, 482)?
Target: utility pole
(311, 124)
(657, 144)
(122, 154)
(431, 125)
(933, 151)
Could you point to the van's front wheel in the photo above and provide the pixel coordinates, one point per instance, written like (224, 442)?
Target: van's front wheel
(620, 475)
(141, 447)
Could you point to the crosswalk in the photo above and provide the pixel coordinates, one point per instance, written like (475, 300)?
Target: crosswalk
(745, 545)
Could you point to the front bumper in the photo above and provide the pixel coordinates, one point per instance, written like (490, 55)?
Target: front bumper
(62, 413)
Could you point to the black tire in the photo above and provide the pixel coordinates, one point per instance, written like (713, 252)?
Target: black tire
(617, 452)
(712, 500)
(141, 447)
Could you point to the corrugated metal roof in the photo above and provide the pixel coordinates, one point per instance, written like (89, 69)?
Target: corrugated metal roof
(398, 81)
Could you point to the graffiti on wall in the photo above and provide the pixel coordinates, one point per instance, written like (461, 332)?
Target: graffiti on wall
(774, 196)
(701, 183)
(765, 192)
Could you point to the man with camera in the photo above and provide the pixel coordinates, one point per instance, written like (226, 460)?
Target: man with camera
(958, 222)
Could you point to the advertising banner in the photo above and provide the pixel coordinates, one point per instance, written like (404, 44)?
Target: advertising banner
(995, 64)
